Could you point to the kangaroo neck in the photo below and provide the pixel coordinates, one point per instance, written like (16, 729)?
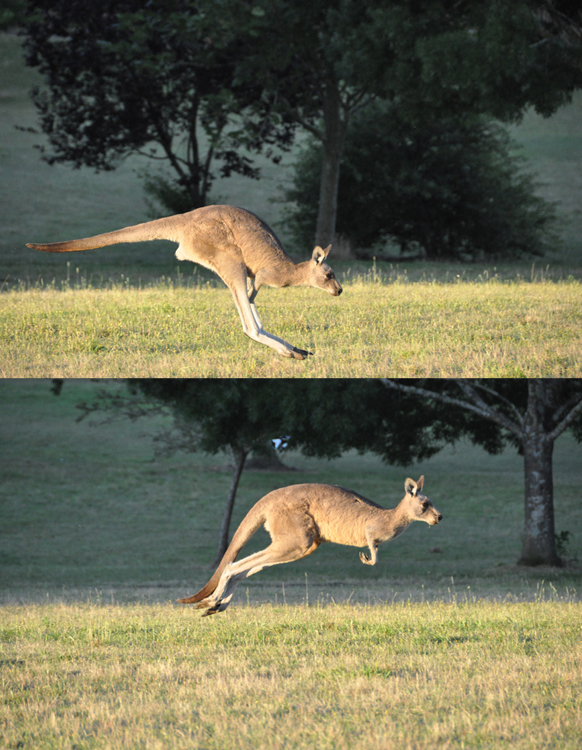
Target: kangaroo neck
(396, 521)
(299, 273)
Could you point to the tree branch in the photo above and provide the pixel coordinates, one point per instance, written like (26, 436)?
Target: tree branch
(565, 407)
(317, 132)
(498, 395)
(567, 421)
(479, 407)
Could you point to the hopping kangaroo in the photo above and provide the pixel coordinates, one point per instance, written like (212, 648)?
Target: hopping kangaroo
(236, 245)
(300, 518)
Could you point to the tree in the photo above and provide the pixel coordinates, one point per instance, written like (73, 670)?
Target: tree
(12, 13)
(157, 79)
(531, 416)
(428, 58)
(238, 417)
(451, 186)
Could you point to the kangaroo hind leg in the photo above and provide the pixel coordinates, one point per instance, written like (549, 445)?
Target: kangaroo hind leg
(298, 542)
(235, 277)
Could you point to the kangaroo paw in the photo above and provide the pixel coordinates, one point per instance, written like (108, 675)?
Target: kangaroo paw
(366, 559)
(211, 611)
(300, 353)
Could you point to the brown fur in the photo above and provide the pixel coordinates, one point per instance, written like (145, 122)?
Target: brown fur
(235, 244)
(301, 517)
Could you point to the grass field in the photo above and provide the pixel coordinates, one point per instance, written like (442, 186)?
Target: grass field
(450, 321)
(479, 329)
(477, 675)
(444, 643)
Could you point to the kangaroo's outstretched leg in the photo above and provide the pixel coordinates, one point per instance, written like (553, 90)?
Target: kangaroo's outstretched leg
(236, 280)
(298, 542)
(252, 293)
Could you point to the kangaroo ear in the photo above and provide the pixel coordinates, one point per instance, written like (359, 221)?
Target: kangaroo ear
(319, 255)
(420, 483)
(410, 487)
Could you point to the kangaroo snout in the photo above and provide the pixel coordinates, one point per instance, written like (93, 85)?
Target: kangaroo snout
(437, 518)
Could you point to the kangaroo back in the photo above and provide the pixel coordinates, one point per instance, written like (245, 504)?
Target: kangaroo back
(160, 229)
(250, 523)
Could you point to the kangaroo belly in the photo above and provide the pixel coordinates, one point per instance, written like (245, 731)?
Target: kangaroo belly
(340, 526)
(342, 535)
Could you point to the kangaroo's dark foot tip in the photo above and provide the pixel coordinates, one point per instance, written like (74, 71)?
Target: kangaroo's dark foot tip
(300, 353)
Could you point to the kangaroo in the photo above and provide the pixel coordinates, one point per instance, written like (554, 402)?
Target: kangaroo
(301, 517)
(239, 247)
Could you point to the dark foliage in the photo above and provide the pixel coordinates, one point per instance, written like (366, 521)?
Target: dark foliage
(127, 77)
(12, 14)
(454, 187)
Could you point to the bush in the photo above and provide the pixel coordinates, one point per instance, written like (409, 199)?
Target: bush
(12, 14)
(453, 187)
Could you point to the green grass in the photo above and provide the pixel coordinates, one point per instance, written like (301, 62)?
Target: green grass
(469, 329)
(477, 675)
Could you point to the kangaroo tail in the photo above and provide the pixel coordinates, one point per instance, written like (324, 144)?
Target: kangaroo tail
(160, 229)
(250, 523)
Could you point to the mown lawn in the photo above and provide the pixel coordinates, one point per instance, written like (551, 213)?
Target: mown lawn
(375, 329)
(448, 675)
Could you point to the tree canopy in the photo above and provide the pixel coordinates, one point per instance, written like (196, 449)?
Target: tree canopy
(123, 77)
(158, 79)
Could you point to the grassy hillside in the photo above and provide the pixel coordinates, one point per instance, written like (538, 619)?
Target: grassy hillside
(88, 506)
(39, 203)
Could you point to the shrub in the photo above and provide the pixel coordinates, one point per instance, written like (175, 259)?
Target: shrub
(454, 187)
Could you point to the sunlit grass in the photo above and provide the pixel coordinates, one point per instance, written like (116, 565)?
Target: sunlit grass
(480, 328)
(476, 674)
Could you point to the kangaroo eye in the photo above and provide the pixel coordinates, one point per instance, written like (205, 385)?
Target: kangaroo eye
(425, 504)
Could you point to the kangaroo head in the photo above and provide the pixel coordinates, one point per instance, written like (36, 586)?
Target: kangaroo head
(322, 276)
(419, 506)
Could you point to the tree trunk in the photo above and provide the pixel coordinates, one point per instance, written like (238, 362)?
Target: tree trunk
(333, 143)
(240, 456)
(539, 541)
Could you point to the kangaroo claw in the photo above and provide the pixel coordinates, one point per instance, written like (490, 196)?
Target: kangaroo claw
(300, 353)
